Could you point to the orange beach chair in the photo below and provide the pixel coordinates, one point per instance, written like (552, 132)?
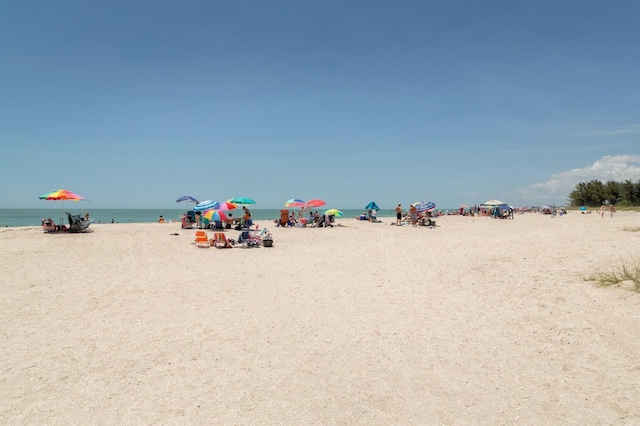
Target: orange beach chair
(221, 241)
(202, 240)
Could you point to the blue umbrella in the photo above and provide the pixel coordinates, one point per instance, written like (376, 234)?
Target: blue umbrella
(372, 206)
(423, 206)
(205, 205)
(187, 198)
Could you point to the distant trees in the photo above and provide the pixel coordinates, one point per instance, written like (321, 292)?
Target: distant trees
(595, 193)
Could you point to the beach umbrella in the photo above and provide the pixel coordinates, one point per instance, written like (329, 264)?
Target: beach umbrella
(333, 212)
(583, 208)
(315, 203)
(188, 199)
(493, 203)
(63, 195)
(424, 206)
(215, 215)
(294, 203)
(241, 200)
(205, 205)
(372, 206)
(225, 206)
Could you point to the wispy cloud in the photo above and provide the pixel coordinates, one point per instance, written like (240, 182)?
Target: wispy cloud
(557, 188)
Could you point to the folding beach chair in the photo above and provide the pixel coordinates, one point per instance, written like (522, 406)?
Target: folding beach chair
(202, 240)
(220, 240)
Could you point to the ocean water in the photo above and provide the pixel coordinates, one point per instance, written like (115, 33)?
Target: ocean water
(33, 217)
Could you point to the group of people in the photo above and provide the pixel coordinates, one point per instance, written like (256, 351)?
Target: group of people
(49, 224)
(604, 208)
(413, 217)
(196, 218)
(314, 219)
(369, 215)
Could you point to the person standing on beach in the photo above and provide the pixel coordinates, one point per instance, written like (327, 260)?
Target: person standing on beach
(602, 210)
(398, 214)
(612, 210)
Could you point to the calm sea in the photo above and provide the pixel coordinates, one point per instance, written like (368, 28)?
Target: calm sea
(33, 217)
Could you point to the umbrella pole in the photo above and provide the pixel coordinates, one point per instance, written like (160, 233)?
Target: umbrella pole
(61, 209)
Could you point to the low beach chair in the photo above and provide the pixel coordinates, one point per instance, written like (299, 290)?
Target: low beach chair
(202, 240)
(186, 223)
(77, 224)
(250, 239)
(221, 241)
(49, 225)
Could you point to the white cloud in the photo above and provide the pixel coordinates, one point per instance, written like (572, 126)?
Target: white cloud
(556, 189)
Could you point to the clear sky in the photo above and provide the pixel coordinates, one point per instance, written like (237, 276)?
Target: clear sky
(135, 103)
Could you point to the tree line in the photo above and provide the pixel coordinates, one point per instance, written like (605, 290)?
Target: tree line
(595, 193)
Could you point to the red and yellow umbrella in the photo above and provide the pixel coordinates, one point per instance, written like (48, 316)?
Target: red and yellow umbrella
(63, 195)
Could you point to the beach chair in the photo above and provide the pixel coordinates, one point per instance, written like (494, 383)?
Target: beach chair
(77, 224)
(284, 217)
(202, 240)
(48, 225)
(250, 239)
(186, 223)
(220, 240)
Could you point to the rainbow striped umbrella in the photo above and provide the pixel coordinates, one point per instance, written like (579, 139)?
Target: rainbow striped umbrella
(333, 212)
(215, 215)
(225, 206)
(295, 202)
(63, 195)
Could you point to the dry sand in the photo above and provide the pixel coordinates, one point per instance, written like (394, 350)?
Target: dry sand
(477, 321)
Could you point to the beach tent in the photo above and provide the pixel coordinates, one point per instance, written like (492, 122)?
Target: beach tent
(372, 206)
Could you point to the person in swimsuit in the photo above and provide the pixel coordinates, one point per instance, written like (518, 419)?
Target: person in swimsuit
(398, 214)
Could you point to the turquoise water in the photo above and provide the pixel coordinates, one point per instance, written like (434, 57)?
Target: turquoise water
(33, 217)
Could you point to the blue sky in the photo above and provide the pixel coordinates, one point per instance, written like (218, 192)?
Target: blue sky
(136, 103)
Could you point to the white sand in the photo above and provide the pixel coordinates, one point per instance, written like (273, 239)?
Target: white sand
(478, 321)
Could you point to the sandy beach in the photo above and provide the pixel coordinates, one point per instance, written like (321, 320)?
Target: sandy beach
(477, 321)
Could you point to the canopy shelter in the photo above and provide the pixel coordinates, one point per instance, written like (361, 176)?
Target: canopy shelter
(372, 206)
(493, 203)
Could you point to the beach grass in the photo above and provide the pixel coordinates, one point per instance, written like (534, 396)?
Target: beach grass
(631, 228)
(618, 275)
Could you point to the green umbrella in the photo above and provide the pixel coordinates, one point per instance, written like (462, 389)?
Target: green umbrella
(241, 200)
